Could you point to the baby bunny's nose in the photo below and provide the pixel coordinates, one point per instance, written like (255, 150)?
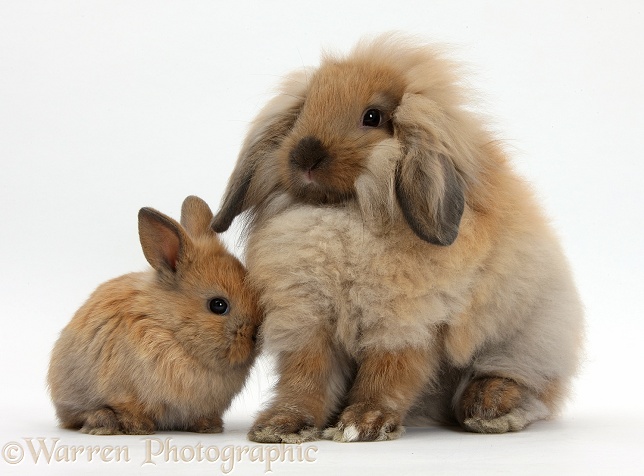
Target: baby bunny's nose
(309, 154)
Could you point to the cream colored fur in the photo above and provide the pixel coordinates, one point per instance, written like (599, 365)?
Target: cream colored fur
(498, 301)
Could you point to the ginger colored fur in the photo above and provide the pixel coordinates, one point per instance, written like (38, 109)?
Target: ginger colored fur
(407, 273)
(145, 353)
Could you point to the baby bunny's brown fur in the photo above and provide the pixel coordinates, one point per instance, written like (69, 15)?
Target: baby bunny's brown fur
(407, 272)
(145, 352)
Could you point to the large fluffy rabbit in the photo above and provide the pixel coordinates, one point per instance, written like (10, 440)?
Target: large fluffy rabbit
(407, 272)
(164, 349)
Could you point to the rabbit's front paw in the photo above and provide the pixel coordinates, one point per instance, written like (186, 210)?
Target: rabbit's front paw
(366, 422)
(283, 424)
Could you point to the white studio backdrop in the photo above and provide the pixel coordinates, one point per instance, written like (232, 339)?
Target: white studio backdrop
(109, 106)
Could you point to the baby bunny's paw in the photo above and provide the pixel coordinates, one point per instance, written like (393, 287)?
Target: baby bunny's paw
(366, 422)
(107, 421)
(283, 424)
(207, 425)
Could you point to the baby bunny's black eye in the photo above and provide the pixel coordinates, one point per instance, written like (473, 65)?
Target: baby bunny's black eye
(371, 118)
(219, 306)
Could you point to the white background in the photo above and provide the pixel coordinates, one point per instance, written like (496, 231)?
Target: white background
(109, 106)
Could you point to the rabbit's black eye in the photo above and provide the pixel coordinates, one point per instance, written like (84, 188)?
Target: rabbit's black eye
(218, 306)
(371, 118)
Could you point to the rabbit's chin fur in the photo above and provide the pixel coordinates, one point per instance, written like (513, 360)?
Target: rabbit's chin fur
(434, 291)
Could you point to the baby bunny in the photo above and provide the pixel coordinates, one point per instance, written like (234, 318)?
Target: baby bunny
(164, 349)
(407, 272)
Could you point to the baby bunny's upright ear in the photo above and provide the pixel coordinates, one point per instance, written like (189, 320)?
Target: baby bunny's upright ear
(255, 175)
(196, 216)
(165, 244)
(429, 189)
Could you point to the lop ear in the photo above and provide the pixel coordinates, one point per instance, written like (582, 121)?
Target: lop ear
(165, 244)
(254, 176)
(429, 189)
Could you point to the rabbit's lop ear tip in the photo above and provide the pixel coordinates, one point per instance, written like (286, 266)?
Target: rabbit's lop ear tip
(220, 224)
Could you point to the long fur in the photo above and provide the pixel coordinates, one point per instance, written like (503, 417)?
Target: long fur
(407, 273)
(144, 353)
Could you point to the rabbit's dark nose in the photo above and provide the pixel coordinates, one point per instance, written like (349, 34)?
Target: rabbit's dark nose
(309, 154)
